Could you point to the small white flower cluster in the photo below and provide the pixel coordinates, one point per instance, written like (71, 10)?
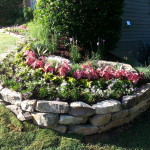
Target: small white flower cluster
(113, 88)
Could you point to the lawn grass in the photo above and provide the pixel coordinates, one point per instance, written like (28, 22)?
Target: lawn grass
(16, 135)
(7, 42)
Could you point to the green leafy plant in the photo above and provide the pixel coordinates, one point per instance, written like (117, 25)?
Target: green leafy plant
(145, 71)
(74, 50)
(86, 20)
(83, 83)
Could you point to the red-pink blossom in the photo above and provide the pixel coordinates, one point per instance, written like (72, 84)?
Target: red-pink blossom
(42, 58)
(48, 68)
(30, 60)
(30, 53)
(38, 64)
(62, 71)
(23, 27)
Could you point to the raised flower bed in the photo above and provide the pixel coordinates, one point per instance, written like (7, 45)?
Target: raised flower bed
(78, 98)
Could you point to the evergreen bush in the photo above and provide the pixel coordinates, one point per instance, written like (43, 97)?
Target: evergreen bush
(85, 20)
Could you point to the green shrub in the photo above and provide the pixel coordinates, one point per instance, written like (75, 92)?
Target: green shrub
(85, 20)
(28, 13)
(43, 37)
(146, 71)
(74, 51)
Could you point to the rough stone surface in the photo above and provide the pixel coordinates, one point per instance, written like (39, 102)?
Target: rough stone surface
(129, 101)
(52, 106)
(138, 106)
(146, 107)
(107, 106)
(83, 129)
(67, 119)
(59, 128)
(144, 93)
(99, 120)
(22, 116)
(120, 114)
(11, 96)
(114, 123)
(3, 102)
(1, 87)
(80, 109)
(135, 114)
(28, 105)
(45, 119)
(58, 59)
(127, 67)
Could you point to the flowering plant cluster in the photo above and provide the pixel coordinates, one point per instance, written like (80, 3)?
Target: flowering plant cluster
(17, 29)
(40, 62)
(35, 76)
(85, 72)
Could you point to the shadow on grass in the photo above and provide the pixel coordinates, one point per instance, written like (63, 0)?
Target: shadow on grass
(132, 136)
(16, 135)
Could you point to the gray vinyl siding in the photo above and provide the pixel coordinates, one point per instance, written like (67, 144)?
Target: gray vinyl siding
(138, 34)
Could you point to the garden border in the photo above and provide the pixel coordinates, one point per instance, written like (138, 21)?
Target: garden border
(77, 117)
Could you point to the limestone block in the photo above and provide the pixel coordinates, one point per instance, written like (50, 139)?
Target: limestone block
(68, 119)
(59, 128)
(127, 67)
(52, 106)
(22, 116)
(144, 93)
(99, 120)
(114, 123)
(81, 109)
(138, 106)
(129, 101)
(120, 114)
(83, 129)
(45, 119)
(10, 96)
(107, 106)
(134, 115)
(3, 102)
(28, 105)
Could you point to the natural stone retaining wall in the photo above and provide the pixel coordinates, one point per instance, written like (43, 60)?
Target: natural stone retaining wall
(77, 117)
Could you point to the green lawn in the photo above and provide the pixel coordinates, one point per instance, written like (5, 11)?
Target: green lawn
(7, 42)
(16, 135)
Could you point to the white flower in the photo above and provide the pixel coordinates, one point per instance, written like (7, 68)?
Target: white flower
(63, 84)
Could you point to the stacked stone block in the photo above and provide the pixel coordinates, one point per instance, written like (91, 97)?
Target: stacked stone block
(77, 117)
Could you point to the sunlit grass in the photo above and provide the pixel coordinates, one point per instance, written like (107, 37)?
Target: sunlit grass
(7, 42)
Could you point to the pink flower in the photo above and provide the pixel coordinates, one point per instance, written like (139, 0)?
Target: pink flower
(30, 60)
(66, 65)
(30, 53)
(48, 68)
(71, 39)
(78, 74)
(62, 71)
(42, 58)
(23, 27)
(38, 64)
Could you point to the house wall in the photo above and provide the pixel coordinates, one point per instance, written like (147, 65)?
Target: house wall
(135, 39)
(28, 3)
